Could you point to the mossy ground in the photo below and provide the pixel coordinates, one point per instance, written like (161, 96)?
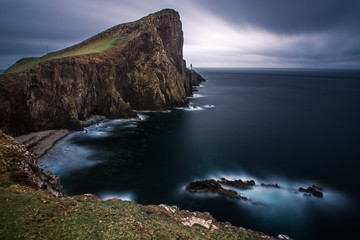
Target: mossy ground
(29, 214)
(99, 46)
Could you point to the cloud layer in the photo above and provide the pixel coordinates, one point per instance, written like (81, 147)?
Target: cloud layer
(229, 33)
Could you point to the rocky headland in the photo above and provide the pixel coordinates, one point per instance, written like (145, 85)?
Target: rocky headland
(132, 66)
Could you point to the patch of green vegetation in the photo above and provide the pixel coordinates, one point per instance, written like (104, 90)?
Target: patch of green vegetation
(26, 214)
(99, 46)
(73, 114)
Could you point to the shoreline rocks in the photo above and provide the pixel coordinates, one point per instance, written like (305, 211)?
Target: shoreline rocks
(39, 143)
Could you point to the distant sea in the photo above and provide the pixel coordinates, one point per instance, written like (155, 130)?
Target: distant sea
(1, 71)
(293, 127)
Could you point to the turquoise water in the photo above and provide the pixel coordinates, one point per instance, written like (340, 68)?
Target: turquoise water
(291, 127)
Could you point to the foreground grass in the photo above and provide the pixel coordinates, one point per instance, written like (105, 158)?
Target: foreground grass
(29, 214)
(99, 46)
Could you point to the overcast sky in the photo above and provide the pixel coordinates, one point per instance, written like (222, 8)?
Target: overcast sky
(226, 33)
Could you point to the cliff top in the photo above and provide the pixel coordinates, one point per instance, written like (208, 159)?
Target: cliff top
(98, 44)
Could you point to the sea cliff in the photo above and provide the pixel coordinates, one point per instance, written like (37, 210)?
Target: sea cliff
(132, 66)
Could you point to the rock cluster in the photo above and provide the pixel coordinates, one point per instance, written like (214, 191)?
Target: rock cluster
(212, 186)
(216, 186)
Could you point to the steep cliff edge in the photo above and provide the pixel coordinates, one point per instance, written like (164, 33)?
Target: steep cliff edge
(132, 66)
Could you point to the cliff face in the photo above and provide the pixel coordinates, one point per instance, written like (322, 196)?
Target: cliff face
(133, 66)
(20, 166)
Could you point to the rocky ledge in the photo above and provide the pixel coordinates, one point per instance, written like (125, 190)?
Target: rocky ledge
(18, 165)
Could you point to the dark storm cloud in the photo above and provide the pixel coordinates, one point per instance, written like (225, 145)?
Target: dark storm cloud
(234, 33)
(27, 27)
(289, 16)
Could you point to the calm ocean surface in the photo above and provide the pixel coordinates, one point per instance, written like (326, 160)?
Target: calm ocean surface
(291, 127)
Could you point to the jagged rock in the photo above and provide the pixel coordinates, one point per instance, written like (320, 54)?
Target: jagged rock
(137, 65)
(238, 183)
(314, 190)
(212, 186)
(20, 166)
(186, 217)
(270, 185)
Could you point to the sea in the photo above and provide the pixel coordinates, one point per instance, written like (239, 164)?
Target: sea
(291, 127)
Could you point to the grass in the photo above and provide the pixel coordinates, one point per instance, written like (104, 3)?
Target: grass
(28, 214)
(99, 46)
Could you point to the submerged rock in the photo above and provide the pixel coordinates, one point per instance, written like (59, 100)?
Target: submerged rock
(314, 190)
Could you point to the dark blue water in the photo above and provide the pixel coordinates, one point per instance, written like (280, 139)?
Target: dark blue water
(291, 127)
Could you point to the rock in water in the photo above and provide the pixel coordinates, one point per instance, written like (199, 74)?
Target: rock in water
(313, 190)
(132, 66)
(212, 186)
(238, 183)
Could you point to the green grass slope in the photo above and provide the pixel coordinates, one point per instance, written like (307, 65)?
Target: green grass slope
(27, 214)
(93, 47)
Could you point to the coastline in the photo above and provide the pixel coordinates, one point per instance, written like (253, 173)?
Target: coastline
(39, 143)
(42, 142)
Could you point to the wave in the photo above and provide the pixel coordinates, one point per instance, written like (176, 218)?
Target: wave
(192, 108)
(196, 95)
(208, 106)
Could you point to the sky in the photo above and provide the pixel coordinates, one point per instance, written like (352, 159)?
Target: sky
(226, 33)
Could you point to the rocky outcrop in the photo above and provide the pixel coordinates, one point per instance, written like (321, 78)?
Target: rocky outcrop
(132, 66)
(243, 185)
(314, 190)
(212, 186)
(20, 166)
